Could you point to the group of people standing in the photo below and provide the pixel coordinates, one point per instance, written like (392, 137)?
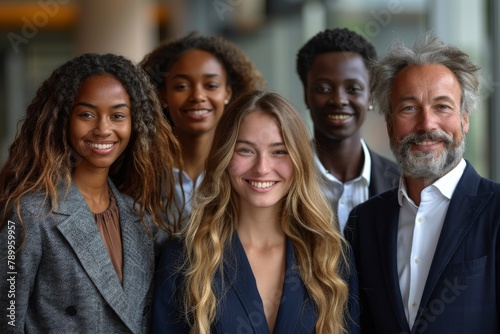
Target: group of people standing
(179, 195)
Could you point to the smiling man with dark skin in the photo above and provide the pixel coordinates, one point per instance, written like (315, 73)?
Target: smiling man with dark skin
(334, 69)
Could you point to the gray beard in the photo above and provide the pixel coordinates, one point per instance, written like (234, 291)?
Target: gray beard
(424, 165)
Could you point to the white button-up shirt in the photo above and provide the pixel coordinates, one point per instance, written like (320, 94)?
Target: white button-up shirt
(418, 234)
(345, 196)
(189, 187)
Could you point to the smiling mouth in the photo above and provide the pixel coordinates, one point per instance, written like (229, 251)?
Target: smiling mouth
(198, 112)
(338, 117)
(262, 185)
(427, 142)
(100, 146)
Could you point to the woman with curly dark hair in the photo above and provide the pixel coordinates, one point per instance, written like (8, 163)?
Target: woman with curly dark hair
(196, 77)
(84, 181)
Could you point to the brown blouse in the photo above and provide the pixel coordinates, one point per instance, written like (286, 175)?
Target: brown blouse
(108, 224)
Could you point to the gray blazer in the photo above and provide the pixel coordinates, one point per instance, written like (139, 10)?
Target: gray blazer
(62, 279)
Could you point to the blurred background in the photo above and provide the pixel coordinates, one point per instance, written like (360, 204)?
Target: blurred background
(39, 35)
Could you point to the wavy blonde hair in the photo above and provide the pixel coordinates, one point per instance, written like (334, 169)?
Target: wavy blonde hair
(307, 220)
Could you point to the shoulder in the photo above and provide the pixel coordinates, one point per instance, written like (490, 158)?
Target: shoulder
(378, 160)
(36, 203)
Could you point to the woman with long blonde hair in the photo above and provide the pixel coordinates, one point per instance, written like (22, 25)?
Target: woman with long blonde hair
(261, 253)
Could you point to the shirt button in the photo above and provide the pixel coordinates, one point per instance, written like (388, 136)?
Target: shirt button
(342, 201)
(416, 260)
(421, 219)
(414, 304)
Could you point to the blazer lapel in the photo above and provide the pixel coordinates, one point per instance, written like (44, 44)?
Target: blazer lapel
(240, 276)
(465, 206)
(138, 258)
(293, 298)
(387, 234)
(83, 236)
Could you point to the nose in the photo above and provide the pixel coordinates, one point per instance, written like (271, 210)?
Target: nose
(262, 164)
(198, 94)
(102, 128)
(427, 120)
(339, 97)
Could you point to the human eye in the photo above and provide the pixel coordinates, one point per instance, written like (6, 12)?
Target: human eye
(118, 116)
(85, 115)
(408, 108)
(243, 149)
(354, 89)
(213, 85)
(323, 89)
(280, 151)
(443, 107)
(180, 85)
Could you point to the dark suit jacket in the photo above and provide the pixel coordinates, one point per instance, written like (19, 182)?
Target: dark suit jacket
(63, 279)
(461, 294)
(384, 174)
(240, 309)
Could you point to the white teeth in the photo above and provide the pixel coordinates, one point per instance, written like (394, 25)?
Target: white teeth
(262, 185)
(427, 142)
(100, 146)
(199, 112)
(339, 116)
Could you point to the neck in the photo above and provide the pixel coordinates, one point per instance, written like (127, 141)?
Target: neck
(92, 182)
(342, 158)
(195, 151)
(260, 227)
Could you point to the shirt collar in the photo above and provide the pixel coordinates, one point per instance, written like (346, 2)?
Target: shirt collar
(446, 184)
(367, 165)
(365, 171)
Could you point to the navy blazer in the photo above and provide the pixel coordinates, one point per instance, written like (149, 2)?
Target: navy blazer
(240, 309)
(461, 294)
(62, 279)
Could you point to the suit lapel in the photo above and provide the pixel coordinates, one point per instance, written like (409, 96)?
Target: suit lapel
(387, 234)
(138, 258)
(465, 207)
(239, 273)
(293, 297)
(82, 234)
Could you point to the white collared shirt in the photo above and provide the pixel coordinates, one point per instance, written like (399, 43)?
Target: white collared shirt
(345, 196)
(189, 186)
(418, 234)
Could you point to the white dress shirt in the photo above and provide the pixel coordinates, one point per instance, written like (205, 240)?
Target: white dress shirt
(345, 196)
(189, 186)
(418, 234)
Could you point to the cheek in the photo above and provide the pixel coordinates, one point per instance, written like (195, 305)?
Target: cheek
(233, 169)
(286, 170)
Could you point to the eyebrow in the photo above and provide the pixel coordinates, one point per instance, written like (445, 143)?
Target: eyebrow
(437, 98)
(185, 76)
(91, 106)
(242, 141)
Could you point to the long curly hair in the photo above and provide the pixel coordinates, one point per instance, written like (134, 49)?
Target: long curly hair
(307, 220)
(41, 159)
(242, 75)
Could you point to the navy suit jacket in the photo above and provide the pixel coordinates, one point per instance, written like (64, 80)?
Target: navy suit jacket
(240, 309)
(461, 294)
